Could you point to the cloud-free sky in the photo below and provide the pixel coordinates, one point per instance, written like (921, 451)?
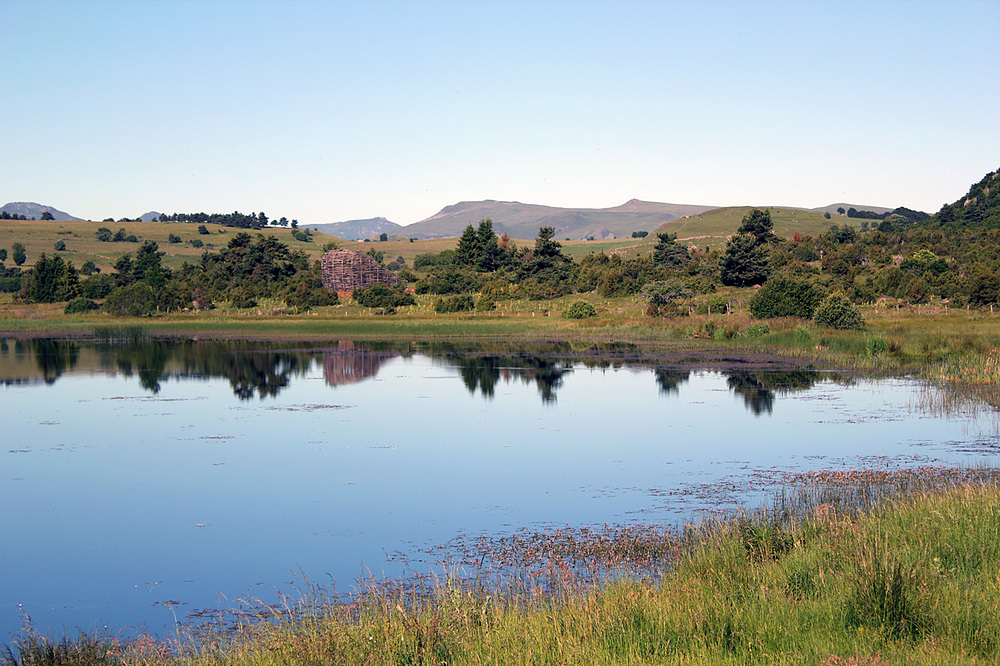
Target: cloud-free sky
(329, 111)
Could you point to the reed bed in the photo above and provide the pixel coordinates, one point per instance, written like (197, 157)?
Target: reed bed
(843, 567)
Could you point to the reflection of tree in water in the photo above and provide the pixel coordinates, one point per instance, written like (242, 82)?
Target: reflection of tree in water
(670, 379)
(54, 357)
(148, 361)
(482, 372)
(758, 389)
(757, 397)
(547, 374)
(251, 371)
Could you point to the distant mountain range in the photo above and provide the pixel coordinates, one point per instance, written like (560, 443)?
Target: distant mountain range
(31, 210)
(519, 220)
(523, 220)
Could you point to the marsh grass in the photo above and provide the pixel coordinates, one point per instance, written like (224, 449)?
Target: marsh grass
(121, 335)
(862, 567)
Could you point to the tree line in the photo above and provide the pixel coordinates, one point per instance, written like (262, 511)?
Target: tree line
(248, 269)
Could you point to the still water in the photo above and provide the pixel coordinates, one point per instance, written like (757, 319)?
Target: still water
(141, 481)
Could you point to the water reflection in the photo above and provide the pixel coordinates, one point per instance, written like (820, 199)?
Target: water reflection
(483, 372)
(261, 370)
(758, 390)
(670, 379)
(54, 357)
(349, 364)
(255, 459)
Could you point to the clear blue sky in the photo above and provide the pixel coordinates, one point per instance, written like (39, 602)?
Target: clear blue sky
(329, 111)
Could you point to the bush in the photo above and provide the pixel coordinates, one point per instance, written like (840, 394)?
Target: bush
(197, 242)
(457, 303)
(579, 310)
(717, 304)
(756, 330)
(803, 335)
(173, 238)
(379, 295)
(10, 285)
(135, 300)
(60, 246)
(243, 298)
(838, 312)
(303, 296)
(783, 297)
(805, 253)
(80, 305)
(664, 298)
(97, 286)
(450, 282)
(876, 346)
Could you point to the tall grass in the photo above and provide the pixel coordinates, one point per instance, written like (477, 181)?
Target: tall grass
(843, 568)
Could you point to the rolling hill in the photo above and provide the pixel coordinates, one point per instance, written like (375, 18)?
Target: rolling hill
(714, 226)
(360, 229)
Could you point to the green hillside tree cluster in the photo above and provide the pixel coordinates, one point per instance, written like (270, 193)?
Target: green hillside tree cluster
(246, 270)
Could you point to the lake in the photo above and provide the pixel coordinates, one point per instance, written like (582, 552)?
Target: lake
(143, 480)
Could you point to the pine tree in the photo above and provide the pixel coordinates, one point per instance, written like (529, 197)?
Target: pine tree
(467, 251)
(668, 253)
(745, 260)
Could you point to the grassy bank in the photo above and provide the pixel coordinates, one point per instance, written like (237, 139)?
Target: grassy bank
(941, 344)
(862, 568)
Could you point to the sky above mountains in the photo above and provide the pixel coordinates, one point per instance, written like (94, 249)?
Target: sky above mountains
(330, 111)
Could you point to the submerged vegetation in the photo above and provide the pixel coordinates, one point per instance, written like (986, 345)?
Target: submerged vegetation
(842, 568)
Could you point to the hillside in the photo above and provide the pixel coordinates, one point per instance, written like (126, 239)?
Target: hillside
(523, 220)
(361, 229)
(32, 210)
(713, 227)
(82, 244)
(979, 209)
